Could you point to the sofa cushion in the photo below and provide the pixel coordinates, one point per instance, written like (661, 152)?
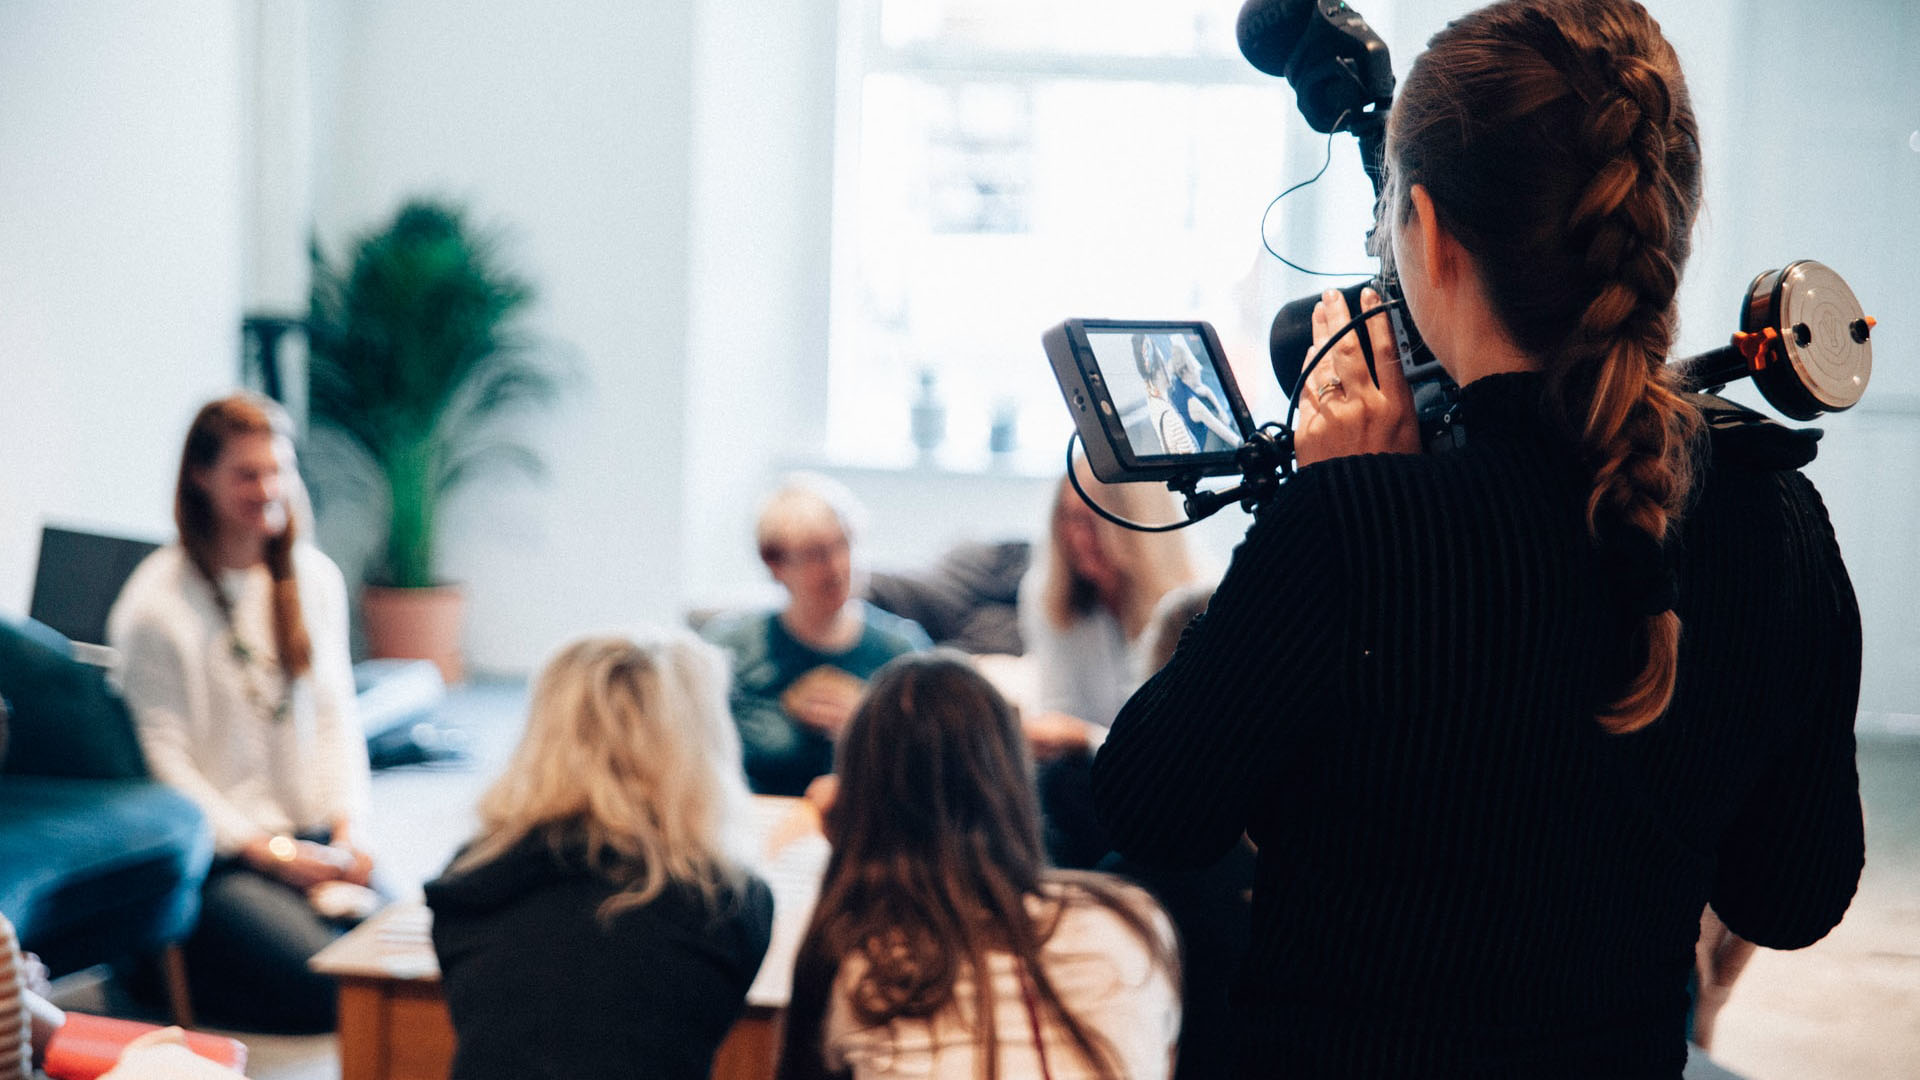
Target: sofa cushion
(66, 721)
(91, 870)
(966, 600)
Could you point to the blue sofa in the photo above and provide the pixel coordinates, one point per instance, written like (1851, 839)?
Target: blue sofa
(98, 862)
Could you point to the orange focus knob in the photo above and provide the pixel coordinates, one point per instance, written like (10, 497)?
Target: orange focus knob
(1756, 346)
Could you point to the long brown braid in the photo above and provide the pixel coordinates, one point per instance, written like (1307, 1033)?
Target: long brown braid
(1557, 141)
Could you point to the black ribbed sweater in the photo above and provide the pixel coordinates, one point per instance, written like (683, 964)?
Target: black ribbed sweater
(1460, 873)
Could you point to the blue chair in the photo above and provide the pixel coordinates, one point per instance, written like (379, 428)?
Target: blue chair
(98, 862)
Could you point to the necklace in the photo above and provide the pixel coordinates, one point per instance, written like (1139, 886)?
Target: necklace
(269, 691)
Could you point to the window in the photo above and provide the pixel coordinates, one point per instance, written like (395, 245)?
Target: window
(1005, 165)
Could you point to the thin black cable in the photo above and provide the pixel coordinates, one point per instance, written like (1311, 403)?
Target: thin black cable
(1268, 213)
(1306, 369)
(1073, 477)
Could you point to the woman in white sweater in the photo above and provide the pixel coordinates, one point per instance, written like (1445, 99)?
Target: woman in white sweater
(235, 664)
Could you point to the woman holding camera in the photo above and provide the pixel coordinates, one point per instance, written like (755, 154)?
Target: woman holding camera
(1447, 695)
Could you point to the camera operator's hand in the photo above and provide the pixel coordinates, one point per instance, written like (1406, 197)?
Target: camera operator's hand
(1342, 411)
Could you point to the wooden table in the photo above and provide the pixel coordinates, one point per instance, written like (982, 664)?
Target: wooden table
(393, 1019)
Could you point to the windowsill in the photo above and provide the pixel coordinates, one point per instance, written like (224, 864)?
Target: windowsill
(938, 467)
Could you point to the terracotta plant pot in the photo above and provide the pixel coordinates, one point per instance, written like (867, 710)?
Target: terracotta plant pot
(416, 624)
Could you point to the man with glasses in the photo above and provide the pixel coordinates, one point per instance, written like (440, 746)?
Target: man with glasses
(799, 672)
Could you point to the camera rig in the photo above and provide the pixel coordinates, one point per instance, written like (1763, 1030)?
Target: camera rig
(1802, 335)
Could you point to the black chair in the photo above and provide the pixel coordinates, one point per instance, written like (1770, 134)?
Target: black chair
(78, 578)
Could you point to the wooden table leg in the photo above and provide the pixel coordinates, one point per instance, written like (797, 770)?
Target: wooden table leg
(752, 1048)
(173, 960)
(363, 1030)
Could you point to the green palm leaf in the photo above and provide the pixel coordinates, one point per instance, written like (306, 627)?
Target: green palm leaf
(417, 360)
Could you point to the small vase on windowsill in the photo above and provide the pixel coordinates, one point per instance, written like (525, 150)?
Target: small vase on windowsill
(1003, 435)
(929, 419)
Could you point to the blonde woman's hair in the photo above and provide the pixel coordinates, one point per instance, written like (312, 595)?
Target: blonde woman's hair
(631, 760)
(1151, 564)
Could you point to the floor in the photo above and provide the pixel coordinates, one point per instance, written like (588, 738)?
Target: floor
(1848, 1007)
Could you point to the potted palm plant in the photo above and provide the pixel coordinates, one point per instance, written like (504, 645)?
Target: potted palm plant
(418, 368)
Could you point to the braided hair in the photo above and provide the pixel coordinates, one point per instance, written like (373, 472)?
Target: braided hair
(1558, 143)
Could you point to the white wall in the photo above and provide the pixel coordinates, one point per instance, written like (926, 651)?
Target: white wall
(666, 170)
(1816, 163)
(120, 236)
(763, 159)
(570, 123)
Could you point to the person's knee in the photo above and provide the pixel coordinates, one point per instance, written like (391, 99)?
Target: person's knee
(248, 913)
(247, 959)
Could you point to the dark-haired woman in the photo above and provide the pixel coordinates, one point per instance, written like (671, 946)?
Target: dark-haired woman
(1447, 694)
(942, 946)
(235, 664)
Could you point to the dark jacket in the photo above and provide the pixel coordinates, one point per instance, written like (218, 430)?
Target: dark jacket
(540, 986)
(781, 755)
(1394, 692)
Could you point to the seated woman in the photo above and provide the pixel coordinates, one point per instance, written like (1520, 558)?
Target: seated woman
(798, 672)
(1091, 592)
(233, 644)
(603, 922)
(1168, 426)
(1085, 606)
(1208, 420)
(942, 945)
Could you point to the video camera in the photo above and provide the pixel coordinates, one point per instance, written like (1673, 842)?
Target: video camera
(1156, 400)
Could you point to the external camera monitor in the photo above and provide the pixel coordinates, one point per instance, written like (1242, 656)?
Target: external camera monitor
(1152, 400)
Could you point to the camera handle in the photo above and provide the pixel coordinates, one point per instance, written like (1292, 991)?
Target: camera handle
(1265, 459)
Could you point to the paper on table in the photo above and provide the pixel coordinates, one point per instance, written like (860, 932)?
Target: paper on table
(794, 856)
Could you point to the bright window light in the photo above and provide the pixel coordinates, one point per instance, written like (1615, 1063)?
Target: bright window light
(1006, 165)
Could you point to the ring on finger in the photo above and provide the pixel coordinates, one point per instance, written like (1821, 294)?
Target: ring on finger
(1333, 383)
